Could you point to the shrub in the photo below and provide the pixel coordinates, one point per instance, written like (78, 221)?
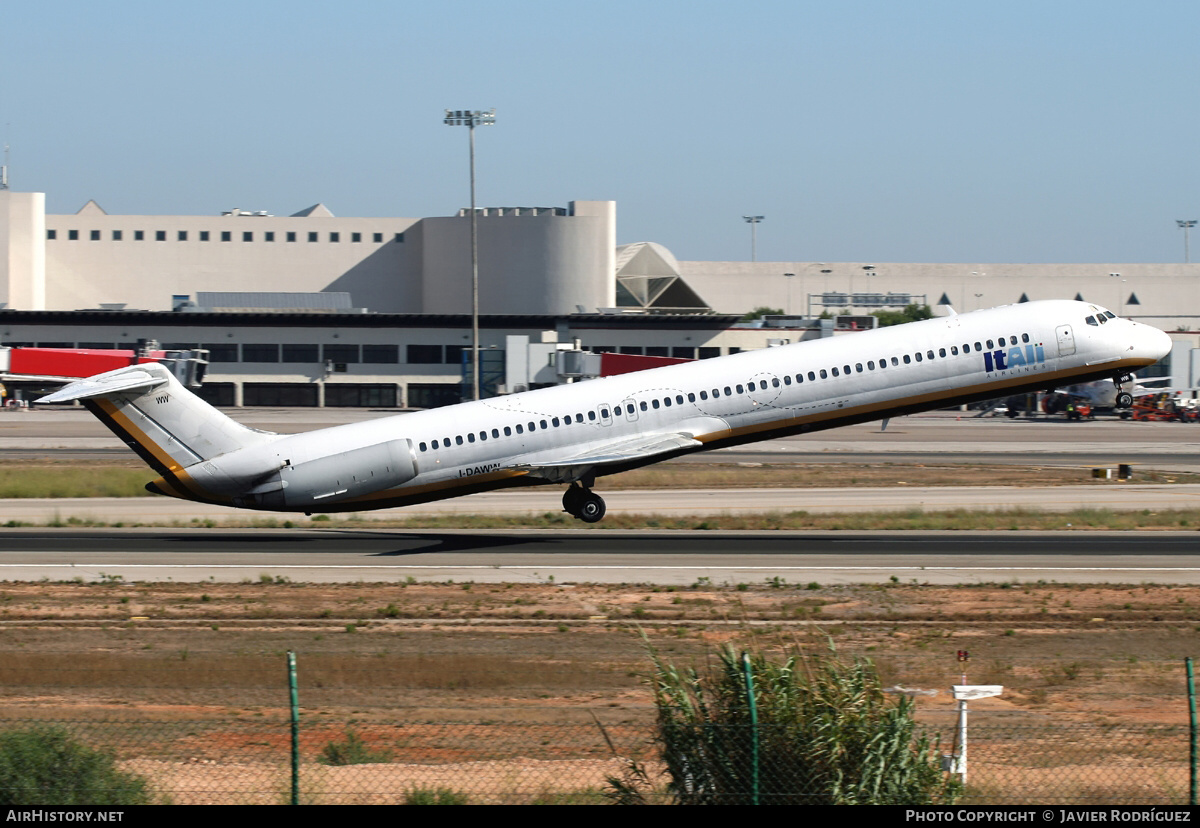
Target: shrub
(826, 735)
(435, 796)
(46, 766)
(352, 751)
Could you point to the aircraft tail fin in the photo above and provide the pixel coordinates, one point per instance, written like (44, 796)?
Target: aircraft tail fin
(155, 415)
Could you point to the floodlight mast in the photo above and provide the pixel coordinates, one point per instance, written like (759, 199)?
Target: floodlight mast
(1185, 225)
(472, 118)
(753, 222)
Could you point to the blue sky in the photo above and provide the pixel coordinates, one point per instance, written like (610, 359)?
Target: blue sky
(1051, 131)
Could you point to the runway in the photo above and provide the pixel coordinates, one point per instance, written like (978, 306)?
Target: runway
(580, 556)
(599, 555)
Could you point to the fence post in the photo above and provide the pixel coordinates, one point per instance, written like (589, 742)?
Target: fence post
(295, 716)
(749, 673)
(1191, 691)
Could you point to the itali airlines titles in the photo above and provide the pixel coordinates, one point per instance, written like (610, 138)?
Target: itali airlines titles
(573, 434)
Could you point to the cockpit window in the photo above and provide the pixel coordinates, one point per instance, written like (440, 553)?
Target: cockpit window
(1091, 320)
(1110, 314)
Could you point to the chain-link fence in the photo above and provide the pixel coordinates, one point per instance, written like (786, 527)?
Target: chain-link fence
(200, 733)
(248, 762)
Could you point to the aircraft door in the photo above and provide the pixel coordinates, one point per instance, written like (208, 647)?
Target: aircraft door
(1066, 340)
(631, 410)
(606, 415)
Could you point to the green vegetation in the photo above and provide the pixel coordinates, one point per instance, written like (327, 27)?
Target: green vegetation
(435, 796)
(760, 312)
(353, 751)
(83, 480)
(911, 313)
(45, 766)
(826, 734)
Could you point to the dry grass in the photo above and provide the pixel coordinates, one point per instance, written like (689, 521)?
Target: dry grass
(64, 478)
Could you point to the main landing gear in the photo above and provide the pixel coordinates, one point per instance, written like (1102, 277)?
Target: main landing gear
(583, 504)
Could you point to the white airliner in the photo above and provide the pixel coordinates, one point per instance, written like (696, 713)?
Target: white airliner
(572, 434)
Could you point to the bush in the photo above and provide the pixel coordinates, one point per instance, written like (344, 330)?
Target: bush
(435, 796)
(46, 766)
(352, 751)
(826, 735)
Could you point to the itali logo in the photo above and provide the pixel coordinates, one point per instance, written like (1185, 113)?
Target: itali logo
(1004, 360)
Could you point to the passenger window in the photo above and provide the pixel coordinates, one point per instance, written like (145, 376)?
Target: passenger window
(471, 437)
(954, 350)
(424, 447)
(458, 440)
(823, 374)
(774, 383)
(941, 352)
(644, 406)
(654, 404)
(741, 390)
(811, 376)
(858, 367)
(989, 344)
(520, 429)
(929, 354)
(495, 434)
(679, 399)
(435, 445)
(787, 380)
(907, 359)
(704, 395)
(834, 371)
(554, 422)
(1025, 337)
(728, 391)
(918, 356)
(691, 399)
(604, 413)
(870, 365)
(507, 431)
(543, 423)
(895, 361)
(592, 414)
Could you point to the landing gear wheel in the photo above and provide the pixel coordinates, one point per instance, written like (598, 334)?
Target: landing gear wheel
(572, 497)
(1124, 400)
(591, 508)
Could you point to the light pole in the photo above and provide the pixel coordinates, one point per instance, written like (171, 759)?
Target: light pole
(472, 118)
(753, 222)
(1186, 225)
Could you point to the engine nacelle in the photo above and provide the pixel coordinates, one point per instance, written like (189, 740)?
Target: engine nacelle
(264, 478)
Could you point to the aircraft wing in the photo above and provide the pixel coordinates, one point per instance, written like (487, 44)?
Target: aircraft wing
(621, 451)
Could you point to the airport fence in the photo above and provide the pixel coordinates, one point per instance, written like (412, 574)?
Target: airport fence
(248, 760)
(198, 735)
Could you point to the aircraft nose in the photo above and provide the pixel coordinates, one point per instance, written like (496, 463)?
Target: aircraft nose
(1152, 343)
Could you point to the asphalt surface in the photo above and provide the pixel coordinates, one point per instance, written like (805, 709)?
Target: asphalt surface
(608, 556)
(563, 557)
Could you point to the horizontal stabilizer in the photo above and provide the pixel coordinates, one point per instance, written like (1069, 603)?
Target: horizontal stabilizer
(133, 378)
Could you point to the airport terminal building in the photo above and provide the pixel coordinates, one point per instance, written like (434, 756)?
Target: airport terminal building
(314, 309)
